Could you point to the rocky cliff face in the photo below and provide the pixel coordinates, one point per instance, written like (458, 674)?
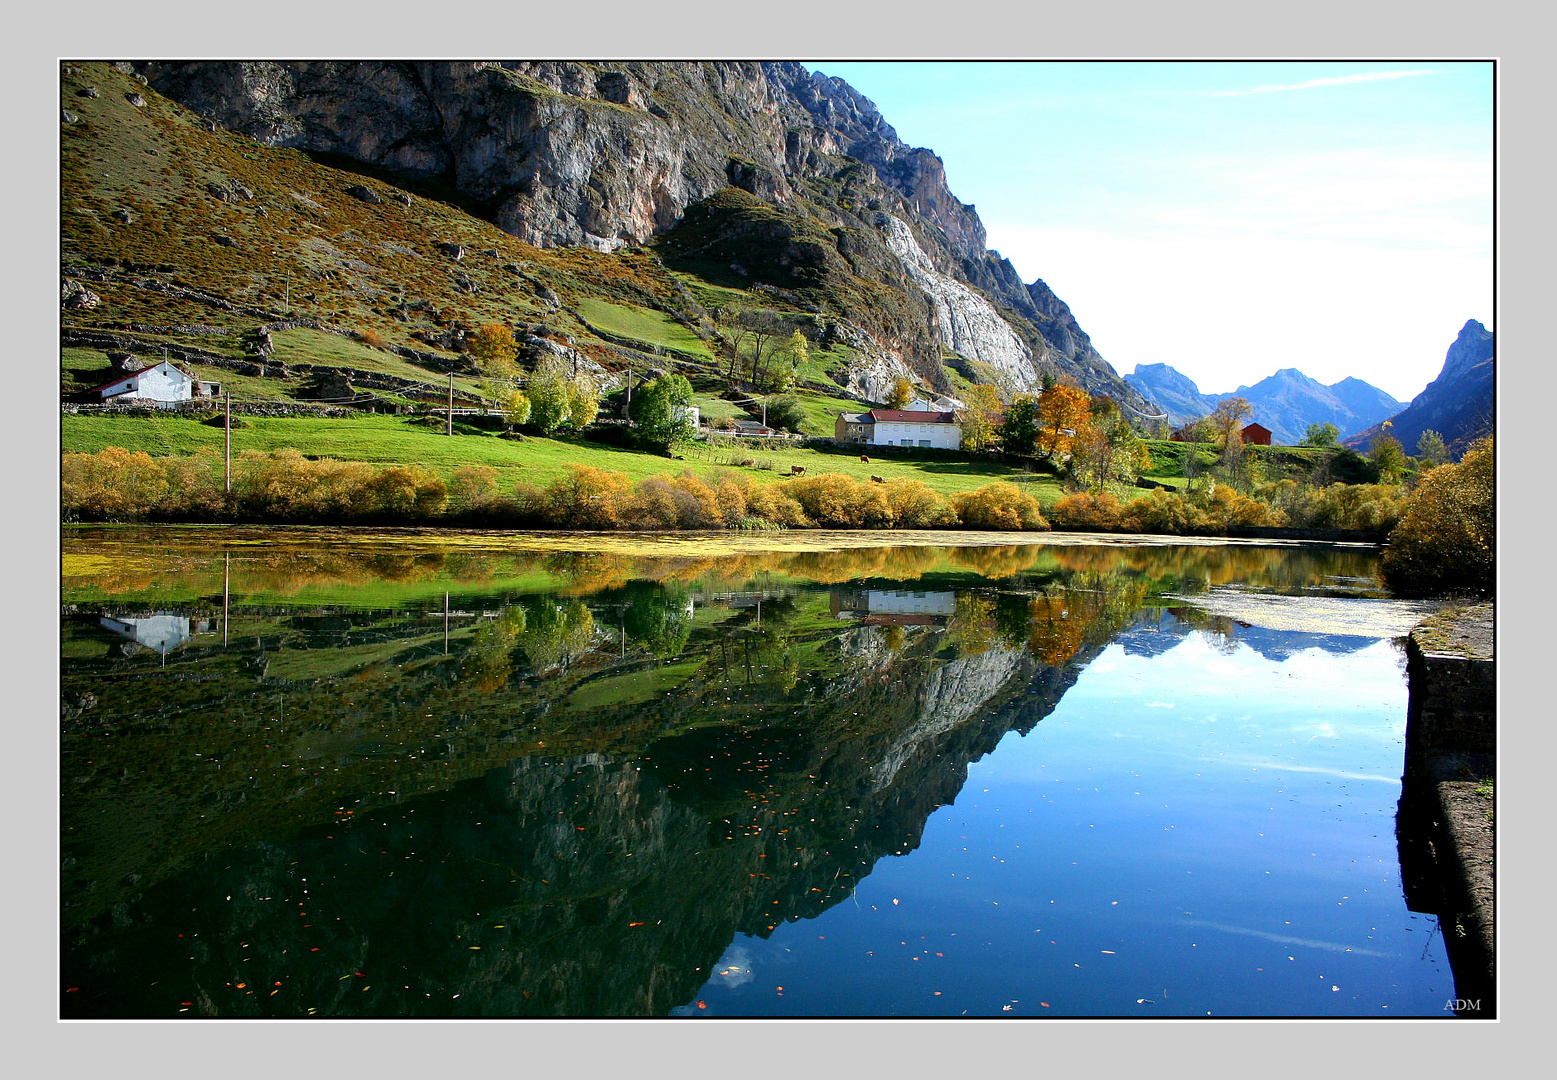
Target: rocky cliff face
(1459, 404)
(612, 155)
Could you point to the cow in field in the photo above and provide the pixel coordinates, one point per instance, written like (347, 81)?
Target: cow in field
(878, 479)
(797, 470)
(864, 460)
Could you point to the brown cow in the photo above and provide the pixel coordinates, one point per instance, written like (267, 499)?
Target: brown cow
(864, 460)
(878, 479)
(797, 470)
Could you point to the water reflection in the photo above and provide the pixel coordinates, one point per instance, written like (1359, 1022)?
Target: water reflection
(416, 783)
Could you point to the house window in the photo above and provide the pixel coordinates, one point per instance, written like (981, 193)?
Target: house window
(924, 442)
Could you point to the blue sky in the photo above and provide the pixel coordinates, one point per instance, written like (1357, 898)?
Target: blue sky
(1227, 218)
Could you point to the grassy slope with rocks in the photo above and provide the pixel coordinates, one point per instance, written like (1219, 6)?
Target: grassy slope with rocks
(191, 236)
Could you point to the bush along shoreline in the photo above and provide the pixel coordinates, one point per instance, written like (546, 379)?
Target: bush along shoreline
(1440, 535)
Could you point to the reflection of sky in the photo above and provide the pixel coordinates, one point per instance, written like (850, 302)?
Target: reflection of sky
(1201, 832)
(1312, 693)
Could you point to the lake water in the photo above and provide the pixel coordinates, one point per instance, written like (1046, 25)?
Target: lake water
(318, 773)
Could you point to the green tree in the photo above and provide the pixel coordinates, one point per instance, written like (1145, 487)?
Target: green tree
(549, 406)
(661, 409)
(1431, 449)
(1389, 457)
(516, 410)
(1019, 428)
(785, 413)
(788, 361)
(583, 402)
(494, 350)
(1324, 435)
(901, 394)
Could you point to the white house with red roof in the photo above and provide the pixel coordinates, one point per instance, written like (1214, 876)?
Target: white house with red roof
(900, 427)
(160, 384)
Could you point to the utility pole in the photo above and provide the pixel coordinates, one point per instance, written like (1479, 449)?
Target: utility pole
(227, 425)
(451, 404)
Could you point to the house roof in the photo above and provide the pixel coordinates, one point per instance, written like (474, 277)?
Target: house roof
(1252, 427)
(903, 416)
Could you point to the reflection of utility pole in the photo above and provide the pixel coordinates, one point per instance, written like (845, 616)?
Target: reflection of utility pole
(445, 622)
(226, 578)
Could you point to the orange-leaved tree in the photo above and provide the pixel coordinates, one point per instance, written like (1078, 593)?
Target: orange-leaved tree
(1063, 413)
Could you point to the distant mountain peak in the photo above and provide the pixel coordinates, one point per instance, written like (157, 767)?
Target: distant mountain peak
(1287, 401)
(1459, 404)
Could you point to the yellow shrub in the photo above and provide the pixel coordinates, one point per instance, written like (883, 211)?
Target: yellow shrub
(837, 501)
(1000, 506)
(915, 505)
(112, 484)
(1447, 539)
(1097, 510)
(589, 498)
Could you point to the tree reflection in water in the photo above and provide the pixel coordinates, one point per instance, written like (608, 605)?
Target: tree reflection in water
(490, 783)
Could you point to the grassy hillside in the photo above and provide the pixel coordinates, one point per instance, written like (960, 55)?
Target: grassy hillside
(388, 439)
(191, 237)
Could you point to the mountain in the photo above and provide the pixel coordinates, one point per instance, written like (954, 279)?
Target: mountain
(1459, 404)
(1289, 401)
(1286, 402)
(1174, 391)
(681, 187)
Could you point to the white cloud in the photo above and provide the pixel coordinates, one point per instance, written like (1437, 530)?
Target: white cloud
(1336, 80)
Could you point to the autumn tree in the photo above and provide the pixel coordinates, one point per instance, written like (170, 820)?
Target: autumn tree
(1447, 538)
(1063, 412)
(1228, 419)
(981, 418)
(1107, 451)
(901, 394)
(583, 401)
(494, 350)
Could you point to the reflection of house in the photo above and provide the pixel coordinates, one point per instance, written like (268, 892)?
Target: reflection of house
(900, 427)
(161, 633)
(161, 384)
(883, 607)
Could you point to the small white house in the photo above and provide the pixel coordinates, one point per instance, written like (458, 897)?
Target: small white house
(161, 384)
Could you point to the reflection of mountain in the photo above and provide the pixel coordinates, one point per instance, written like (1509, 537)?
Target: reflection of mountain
(571, 886)
(1156, 631)
(562, 802)
(1281, 644)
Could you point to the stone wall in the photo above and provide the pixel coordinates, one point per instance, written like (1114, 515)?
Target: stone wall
(1453, 679)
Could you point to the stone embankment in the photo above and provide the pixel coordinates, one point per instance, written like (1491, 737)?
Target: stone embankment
(1446, 822)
